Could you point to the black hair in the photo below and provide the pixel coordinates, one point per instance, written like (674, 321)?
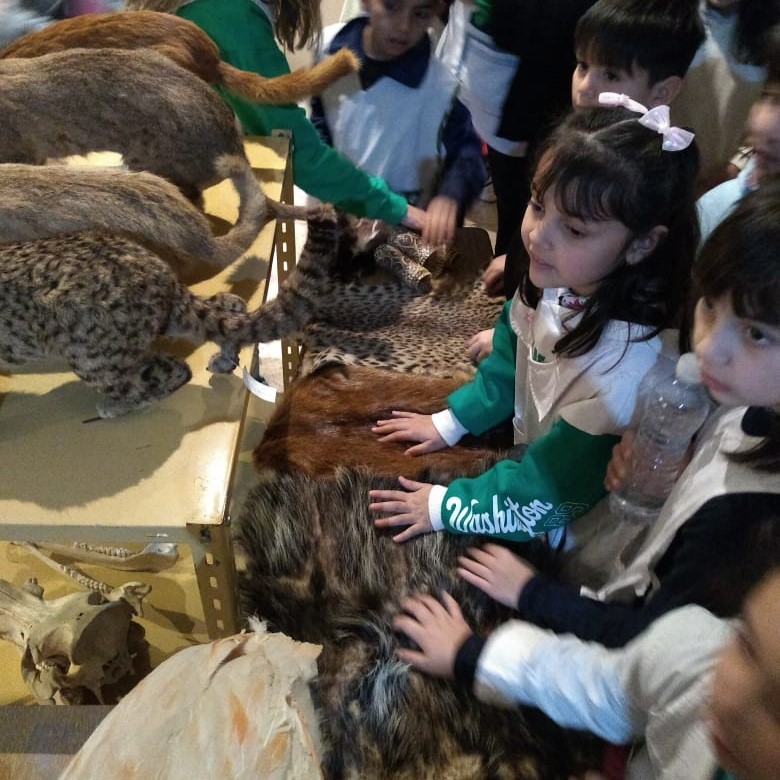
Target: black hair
(754, 19)
(741, 258)
(602, 164)
(298, 23)
(772, 55)
(659, 36)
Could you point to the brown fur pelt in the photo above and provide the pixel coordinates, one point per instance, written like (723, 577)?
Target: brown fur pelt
(158, 116)
(319, 571)
(188, 46)
(43, 202)
(323, 422)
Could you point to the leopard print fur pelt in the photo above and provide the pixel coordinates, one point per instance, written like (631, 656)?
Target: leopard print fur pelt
(386, 324)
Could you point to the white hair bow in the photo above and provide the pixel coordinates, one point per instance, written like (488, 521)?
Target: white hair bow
(618, 99)
(675, 138)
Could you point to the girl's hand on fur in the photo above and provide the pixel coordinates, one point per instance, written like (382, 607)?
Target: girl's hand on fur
(438, 629)
(493, 276)
(410, 426)
(480, 345)
(620, 463)
(414, 219)
(405, 508)
(496, 571)
(440, 221)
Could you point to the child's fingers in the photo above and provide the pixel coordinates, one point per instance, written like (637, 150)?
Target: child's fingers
(410, 484)
(423, 448)
(452, 606)
(409, 533)
(483, 555)
(475, 580)
(413, 657)
(475, 567)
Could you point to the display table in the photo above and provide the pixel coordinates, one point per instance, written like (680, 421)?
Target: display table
(167, 473)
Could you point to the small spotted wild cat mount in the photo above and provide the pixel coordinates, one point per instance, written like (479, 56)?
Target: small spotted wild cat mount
(100, 302)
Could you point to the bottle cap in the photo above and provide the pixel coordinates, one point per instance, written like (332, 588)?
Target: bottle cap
(688, 369)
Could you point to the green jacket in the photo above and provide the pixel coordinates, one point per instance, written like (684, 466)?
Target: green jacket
(246, 40)
(561, 474)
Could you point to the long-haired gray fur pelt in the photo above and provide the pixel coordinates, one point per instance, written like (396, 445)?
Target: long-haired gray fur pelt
(318, 570)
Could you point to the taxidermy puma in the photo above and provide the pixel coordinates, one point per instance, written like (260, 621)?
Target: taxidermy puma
(100, 302)
(43, 202)
(158, 116)
(187, 45)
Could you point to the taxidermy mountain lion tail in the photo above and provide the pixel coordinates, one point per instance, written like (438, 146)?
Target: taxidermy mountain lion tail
(188, 46)
(290, 87)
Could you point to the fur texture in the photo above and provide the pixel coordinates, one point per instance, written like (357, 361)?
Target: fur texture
(158, 116)
(44, 202)
(100, 302)
(319, 571)
(370, 322)
(188, 46)
(323, 421)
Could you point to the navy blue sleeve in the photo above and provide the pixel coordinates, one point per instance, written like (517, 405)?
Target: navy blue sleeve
(464, 173)
(317, 117)
(466, 660)
(724, 549)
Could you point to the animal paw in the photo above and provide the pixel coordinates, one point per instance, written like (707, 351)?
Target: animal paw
(227, 302)
(223, 362)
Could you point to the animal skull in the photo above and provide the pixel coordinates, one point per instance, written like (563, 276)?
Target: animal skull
(70, 645)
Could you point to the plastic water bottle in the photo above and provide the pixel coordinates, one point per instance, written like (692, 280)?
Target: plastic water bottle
(673, 411)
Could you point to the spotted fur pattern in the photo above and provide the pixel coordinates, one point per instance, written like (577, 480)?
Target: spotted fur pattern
(368, 321)
(100, 302)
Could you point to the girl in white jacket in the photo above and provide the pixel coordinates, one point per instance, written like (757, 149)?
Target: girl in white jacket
(703, 693)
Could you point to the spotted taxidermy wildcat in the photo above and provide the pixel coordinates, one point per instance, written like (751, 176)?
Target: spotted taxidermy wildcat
(99, 302)
(158, 116)
(47, 201)
(188, 46)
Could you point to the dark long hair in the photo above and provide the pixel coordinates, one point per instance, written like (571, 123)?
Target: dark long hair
(298, 23)
(602, 164)
(741, 258)
(754, 19)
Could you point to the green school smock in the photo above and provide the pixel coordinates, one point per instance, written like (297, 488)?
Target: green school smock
(245, 37)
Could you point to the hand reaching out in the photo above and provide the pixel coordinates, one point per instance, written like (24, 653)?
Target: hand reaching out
(441, 221)
(406, 507)
(493, 276)
(438, 629)
(410, 426)
(480, 345)
(496, 571)
(620, 465)
(415, 218)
